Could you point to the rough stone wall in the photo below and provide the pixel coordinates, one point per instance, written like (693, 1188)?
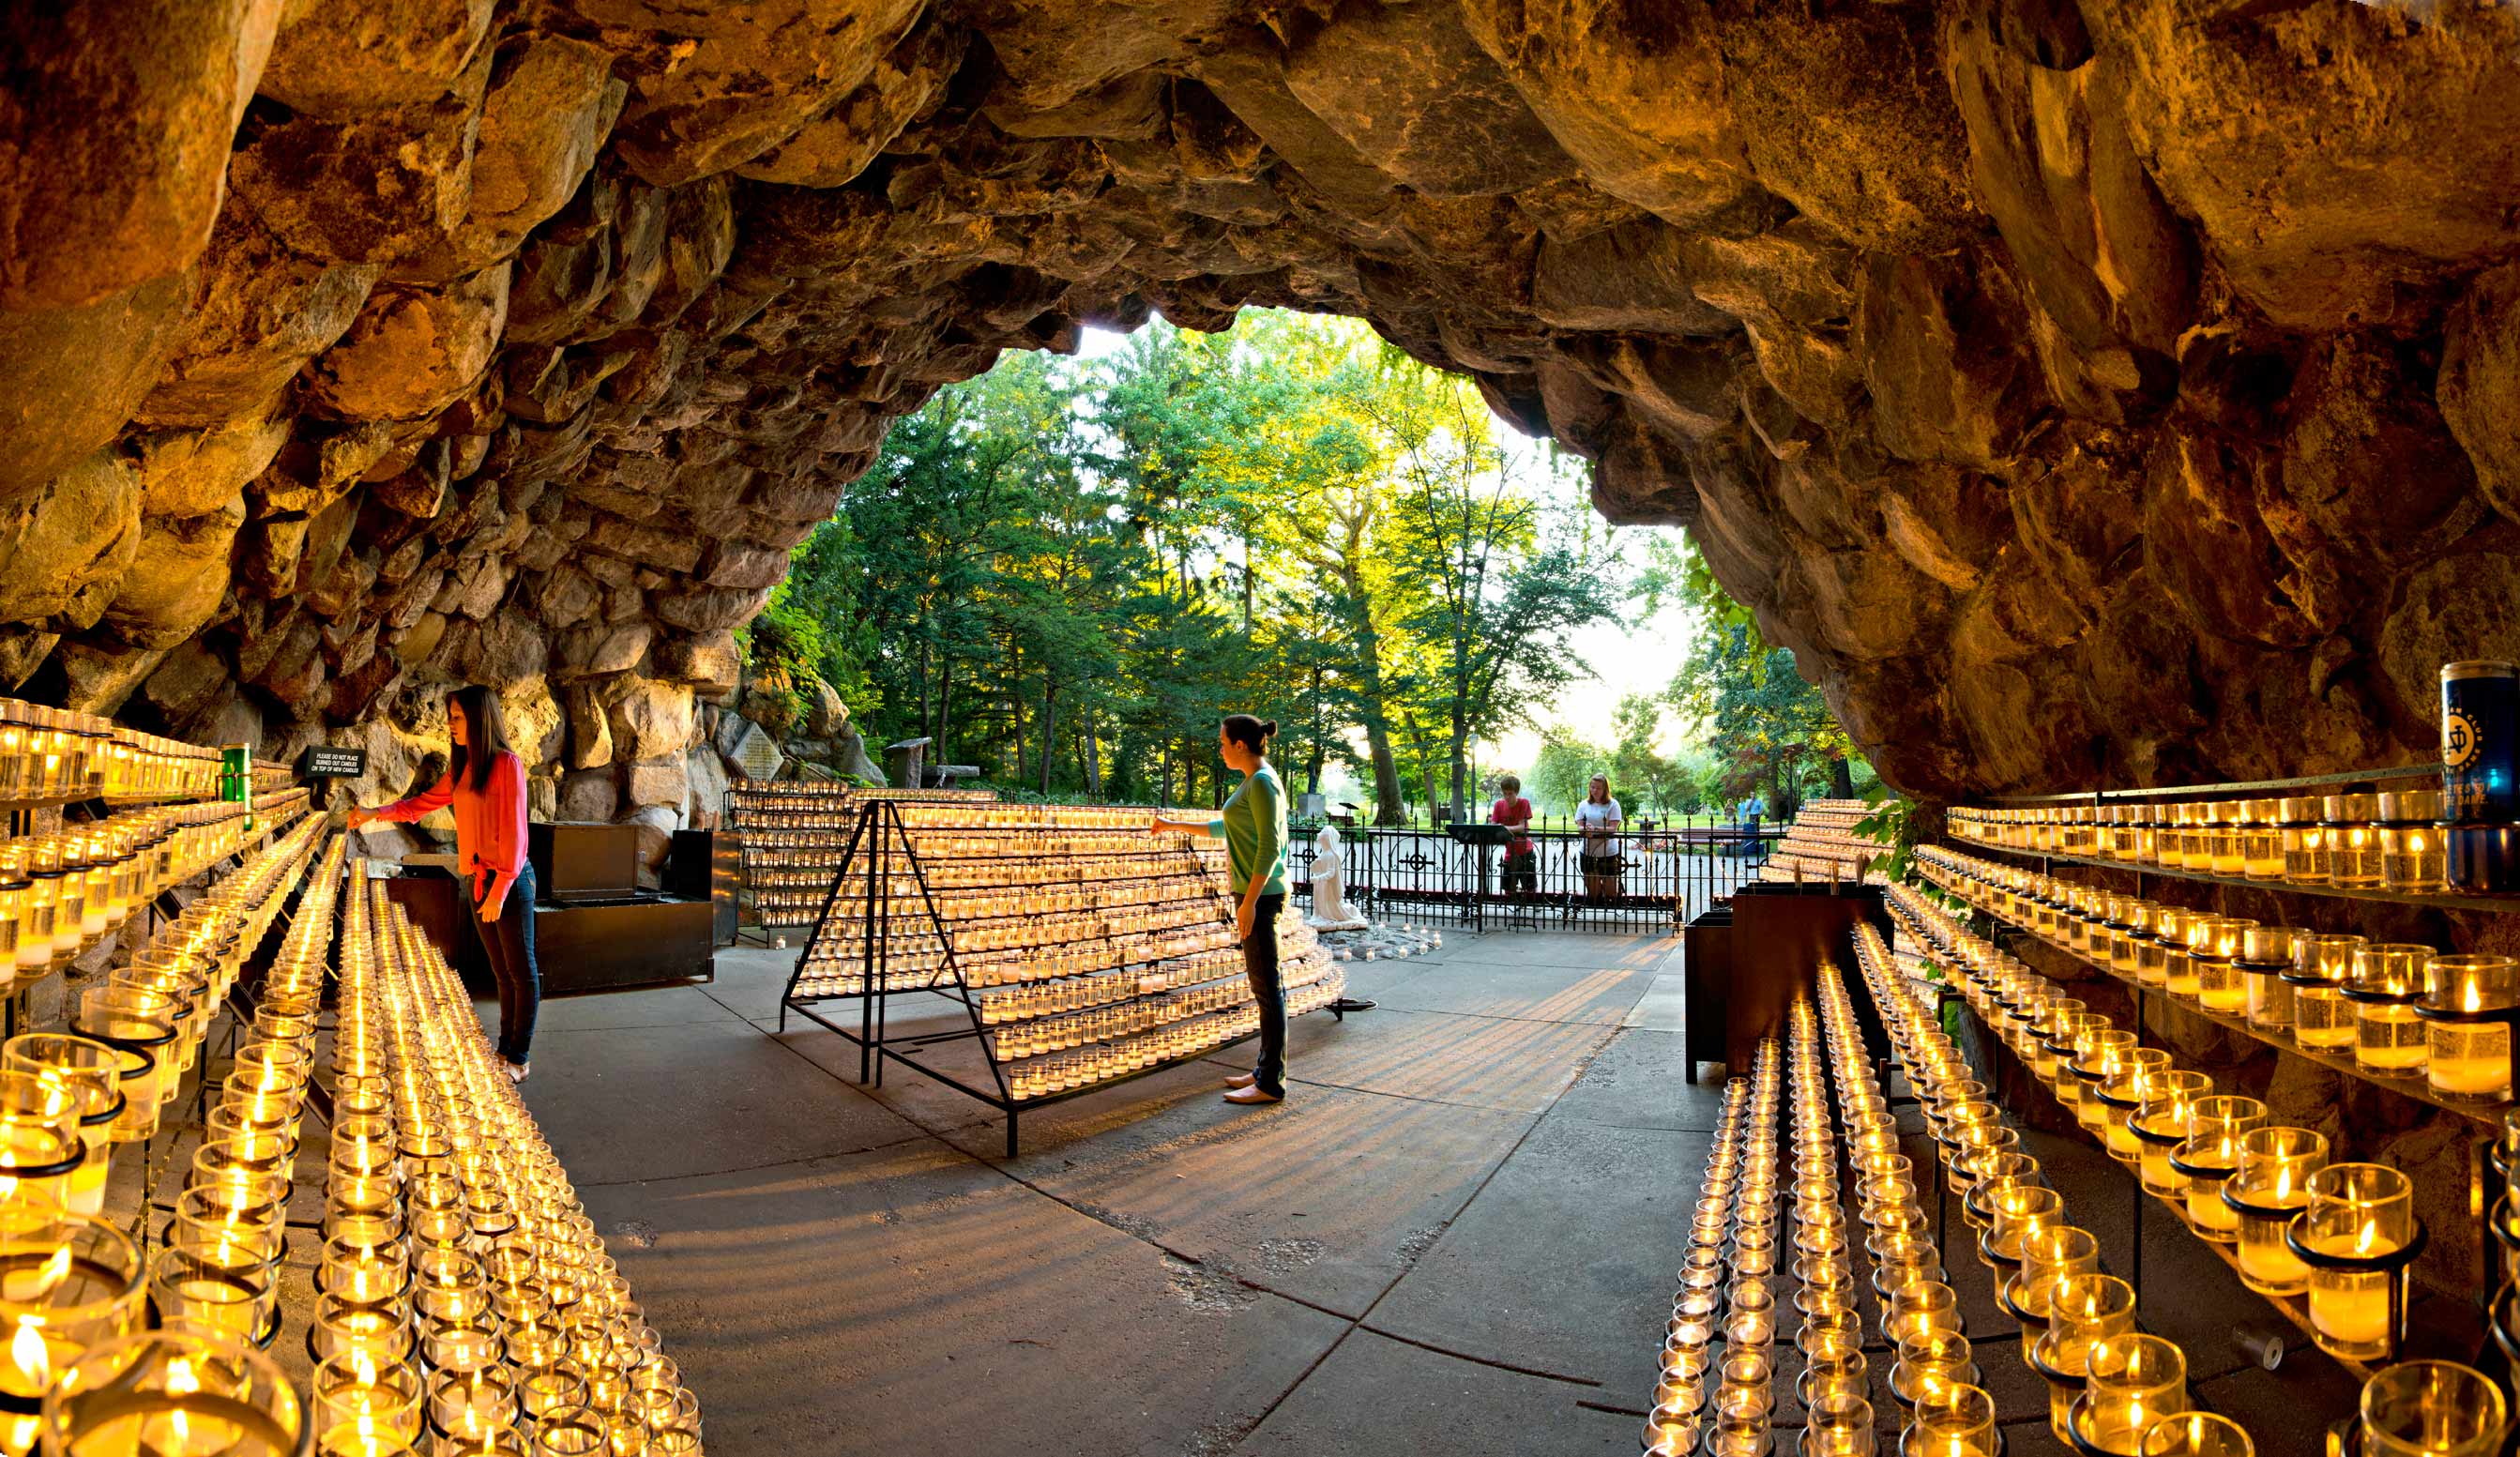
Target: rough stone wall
(2104, 389)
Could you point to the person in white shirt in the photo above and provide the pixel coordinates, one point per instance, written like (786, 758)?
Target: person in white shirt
(1598, 819)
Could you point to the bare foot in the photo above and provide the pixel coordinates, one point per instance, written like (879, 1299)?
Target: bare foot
(1254, 1094)
(1242, 1080)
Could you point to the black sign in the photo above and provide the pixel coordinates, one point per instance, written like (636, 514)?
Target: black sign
(332, 764)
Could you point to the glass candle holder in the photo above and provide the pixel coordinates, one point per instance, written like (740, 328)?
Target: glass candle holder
(2262, 855)
(2083, 1312)
(2303, 841)
(2197, 933)
(2388, 1032)
(85, 1070)
(2152, 957)
(467, 1405)
(215, 1286)
(2208, 1157)
(2196, 1434)
(1833, 1362)
(171, 1392)
(2433, 1409)
(363, 1407)
(2361, 1211)
(138, 1040)
(2133, 1381)
(1929, 1359)
(2269, 1187)
(64, 1286)
(380, 1329)
(2122, 1098)
(2046, 1258)
(2353, 841)
(2014, 1216)
(1839, 1425)
(2097, 1059)
(1952, 1421)
(2161, 1125)
(2467, 1025)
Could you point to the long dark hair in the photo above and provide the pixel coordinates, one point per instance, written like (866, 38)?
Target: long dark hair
(1251, 733)
(486, 730)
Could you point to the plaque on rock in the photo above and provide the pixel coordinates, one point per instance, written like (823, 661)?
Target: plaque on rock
(321, 762)
(756, 754)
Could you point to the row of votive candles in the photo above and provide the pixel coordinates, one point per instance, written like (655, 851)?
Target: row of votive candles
(61, 893)
(56, 753)
(2359, 841)
(1935, 1377)
(1732, 1239)
(73, 1285)
(1056, 1073)
(2232, 1176)
(513, 1330)
(2191, 1147)
(2399, 1009)
(2118, 1389)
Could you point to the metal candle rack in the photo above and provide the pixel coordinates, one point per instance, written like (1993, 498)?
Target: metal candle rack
(2502, 1309)
(880, 853)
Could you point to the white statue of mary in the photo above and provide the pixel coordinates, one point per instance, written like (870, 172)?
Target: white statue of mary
(1331, 910)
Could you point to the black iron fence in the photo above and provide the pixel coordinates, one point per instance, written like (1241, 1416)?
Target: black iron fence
(1659, 878)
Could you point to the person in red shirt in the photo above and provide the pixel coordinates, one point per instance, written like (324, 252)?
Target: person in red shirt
(486, 784)
(1521, 863)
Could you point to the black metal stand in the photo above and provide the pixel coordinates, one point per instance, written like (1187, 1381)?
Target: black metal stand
(882, 850)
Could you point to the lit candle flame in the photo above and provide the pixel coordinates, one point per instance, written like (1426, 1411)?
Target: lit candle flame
(34, 1359)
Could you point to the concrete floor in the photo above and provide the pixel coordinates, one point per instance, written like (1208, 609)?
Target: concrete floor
(1458, 1234)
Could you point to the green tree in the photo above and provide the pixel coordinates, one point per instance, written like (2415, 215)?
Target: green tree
(1766, 731)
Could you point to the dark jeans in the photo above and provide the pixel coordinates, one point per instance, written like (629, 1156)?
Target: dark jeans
(1260, 964)
(1521, 872)
(509, 942)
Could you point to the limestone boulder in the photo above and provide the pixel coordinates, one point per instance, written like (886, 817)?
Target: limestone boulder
(65, 553)
(413, 350)
(710, 663)
(119, 119)
(376, 186)
(339, 61)
(2337, 159)
(70, 376)
(178, 576)
(650, 720)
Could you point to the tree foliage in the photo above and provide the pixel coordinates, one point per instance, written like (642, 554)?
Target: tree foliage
(1065, 570)
(1768, 732)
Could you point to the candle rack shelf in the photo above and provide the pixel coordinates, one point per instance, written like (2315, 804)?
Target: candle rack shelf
(788, 838)
(2437, 1326)
(1120, 977)
(2487, 1115)
(2499, 905)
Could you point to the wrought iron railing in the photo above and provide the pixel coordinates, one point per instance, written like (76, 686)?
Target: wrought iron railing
(1662, 877)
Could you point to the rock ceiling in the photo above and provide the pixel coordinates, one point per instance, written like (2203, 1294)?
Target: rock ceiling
(2112, 390)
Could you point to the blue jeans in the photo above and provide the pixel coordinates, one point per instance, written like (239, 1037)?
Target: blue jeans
(510, 944)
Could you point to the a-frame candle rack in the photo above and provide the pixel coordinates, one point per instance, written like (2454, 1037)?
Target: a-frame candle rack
(1078, 951)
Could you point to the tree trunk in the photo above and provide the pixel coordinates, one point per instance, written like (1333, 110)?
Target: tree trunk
(1841, 780)
(1049, 727)
(1015, 705)
(1313, 764)
(1389, 808)
(923, 684)
(1090, 752)
(944, 711)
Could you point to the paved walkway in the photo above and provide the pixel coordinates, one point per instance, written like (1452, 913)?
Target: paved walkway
(1457, 1236)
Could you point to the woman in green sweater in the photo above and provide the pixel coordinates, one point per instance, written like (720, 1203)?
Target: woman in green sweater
(1253, 827)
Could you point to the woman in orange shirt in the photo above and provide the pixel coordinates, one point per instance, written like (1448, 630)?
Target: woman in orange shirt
(1522, 861)
(486, 784)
